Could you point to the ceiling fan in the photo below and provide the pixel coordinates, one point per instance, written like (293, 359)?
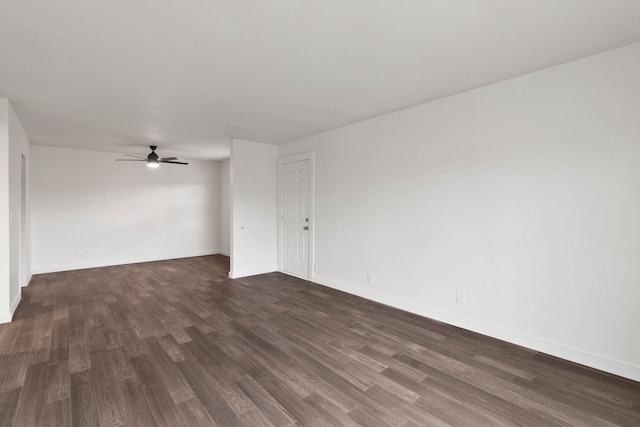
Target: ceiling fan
(153, 160)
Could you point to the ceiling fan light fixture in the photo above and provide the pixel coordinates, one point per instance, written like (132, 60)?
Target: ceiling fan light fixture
(153, 160)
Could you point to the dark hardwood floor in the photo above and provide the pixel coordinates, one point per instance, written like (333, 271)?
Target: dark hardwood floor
(177, 343)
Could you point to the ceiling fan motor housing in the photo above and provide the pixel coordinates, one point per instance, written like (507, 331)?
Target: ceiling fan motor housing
(153, 156)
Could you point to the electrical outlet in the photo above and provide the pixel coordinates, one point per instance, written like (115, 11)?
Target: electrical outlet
(370, 279)
(315, 268)
(461, 297)
(80, 255)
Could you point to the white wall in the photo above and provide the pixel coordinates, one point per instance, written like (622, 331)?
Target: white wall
(253, 208)
(225, 207)
(84, 202)
(13, 144)
(5, 224)
(525, 195)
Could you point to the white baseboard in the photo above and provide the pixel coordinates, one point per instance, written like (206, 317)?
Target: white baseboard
(225, 253)
(15, 302)
(29, 276)
(7, 317)
(594, 361)
(237, 274)
(108, 263)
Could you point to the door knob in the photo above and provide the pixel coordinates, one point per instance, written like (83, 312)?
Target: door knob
(306, 227)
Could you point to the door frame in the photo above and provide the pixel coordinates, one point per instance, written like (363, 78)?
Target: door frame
(23, 263)
(310, 241)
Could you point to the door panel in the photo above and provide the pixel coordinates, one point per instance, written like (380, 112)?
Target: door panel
(295, 218)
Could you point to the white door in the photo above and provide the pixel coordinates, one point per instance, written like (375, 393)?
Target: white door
(294, 218)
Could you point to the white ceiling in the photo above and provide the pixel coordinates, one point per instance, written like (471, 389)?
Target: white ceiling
(190, 75)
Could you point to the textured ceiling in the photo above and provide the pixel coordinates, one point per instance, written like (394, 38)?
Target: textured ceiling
(189, 76)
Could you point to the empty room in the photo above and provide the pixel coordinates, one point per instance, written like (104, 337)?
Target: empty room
(320, 213)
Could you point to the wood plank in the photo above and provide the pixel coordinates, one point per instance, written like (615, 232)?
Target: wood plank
(168, 373)
(138, 411)
(17, 361)
(121, 365)
(255, 418)
(213, 352)
(58, 413)
(232, 394)
(291, 402)
(32, 400)
(209, 394)
(171, 347)
(195, 414)
(83, 399)
(15, 371)
(8, 405)
(108, 396)
(165, 412)
(60, 341)
(41, 349)
(79, 359)
(58, 382)
(265, 402)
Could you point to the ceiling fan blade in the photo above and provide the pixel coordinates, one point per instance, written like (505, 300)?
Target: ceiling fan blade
(175, 163)
(131, 160)
(137, 157)
(167, 158)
